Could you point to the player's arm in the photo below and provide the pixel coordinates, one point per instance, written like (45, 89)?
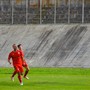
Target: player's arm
(22, 56)
(23, 59)
(9, 57)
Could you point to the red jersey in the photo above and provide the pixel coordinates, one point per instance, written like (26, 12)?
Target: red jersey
(24, 64)
(16, 57)
(22, 52)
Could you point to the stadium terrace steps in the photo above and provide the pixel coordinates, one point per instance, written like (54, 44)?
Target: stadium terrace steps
(48, 45)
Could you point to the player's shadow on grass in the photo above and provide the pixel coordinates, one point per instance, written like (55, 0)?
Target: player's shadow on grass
(14, 84)
(8, 83)
(54, 83)
(37, 83)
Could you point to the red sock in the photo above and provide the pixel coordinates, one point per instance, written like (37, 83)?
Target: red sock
(20, 78)
(26, 73)
(14, 73)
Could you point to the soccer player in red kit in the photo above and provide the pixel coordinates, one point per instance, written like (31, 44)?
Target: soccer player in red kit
(24, 64)
(16, 56)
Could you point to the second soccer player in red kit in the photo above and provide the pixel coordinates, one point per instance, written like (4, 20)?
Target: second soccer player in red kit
(16, 57)
(24, 64)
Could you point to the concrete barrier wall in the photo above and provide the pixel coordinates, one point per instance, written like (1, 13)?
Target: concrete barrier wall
(48, 45)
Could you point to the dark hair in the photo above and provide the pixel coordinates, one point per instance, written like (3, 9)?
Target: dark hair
(19, 45)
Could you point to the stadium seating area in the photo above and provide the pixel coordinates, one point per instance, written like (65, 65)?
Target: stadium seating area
(48, 15)
(87, 14)
(62, 14)
(76, 14)
(33, 16)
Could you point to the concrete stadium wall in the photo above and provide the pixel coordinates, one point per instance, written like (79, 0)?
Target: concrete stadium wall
(48, 45)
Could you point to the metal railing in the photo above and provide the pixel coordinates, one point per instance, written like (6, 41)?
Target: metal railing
(23, 13)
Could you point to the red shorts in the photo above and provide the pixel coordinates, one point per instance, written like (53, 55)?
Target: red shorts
(24, 64)
(18, 68)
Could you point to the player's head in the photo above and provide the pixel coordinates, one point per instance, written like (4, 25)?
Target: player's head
(19, 46)
(14, 47)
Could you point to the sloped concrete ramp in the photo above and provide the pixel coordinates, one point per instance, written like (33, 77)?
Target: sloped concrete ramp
(48, 45)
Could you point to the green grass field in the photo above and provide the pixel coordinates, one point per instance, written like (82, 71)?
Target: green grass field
(48, 79)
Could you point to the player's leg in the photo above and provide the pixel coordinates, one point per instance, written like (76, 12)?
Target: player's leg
(26, 72)
(14, 73)
(19, 70)
(20, 78)
(12, 77)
